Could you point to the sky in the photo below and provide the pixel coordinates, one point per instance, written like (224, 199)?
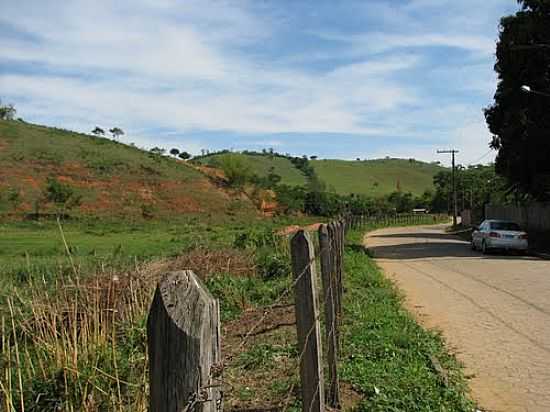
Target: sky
(336, 79)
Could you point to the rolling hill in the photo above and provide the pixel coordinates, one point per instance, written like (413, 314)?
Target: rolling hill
(371, 177)
(376, 177)
(112, 178)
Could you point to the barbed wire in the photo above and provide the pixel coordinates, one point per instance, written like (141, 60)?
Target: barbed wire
(335, 244)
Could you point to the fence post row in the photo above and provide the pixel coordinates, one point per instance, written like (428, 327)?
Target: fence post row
(183, 335)
(334, 229)
(329, 292)
(307, 323)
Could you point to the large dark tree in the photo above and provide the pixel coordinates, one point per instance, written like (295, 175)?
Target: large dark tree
(520, 120)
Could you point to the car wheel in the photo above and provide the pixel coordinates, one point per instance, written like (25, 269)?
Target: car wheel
(484, 248)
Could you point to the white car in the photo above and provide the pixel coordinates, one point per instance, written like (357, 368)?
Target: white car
(499, 234)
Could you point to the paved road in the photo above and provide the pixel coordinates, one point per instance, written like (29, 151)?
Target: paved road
(494, 311)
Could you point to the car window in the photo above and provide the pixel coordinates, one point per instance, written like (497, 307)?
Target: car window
(505, 226)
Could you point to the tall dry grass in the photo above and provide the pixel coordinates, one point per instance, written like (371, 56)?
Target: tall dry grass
(79, 346)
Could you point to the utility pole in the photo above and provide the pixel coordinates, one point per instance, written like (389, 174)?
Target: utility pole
(453, 182)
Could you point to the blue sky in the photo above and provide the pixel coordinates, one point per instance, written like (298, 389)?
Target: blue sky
(344, 79)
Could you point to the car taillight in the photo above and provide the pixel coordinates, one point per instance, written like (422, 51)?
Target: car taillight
(494, 234)
(524, 236)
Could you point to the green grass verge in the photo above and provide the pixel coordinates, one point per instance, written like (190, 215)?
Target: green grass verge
(386, 353)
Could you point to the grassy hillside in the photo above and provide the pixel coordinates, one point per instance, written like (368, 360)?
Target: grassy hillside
(112, 178)
(371, 177)
(261, 165)
(376, 177)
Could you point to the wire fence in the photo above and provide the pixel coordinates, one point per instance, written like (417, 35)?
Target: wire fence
(186, 367)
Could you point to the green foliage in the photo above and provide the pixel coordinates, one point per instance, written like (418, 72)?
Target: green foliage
(271, 254)
(98, 131)
(238, 293)
(184, 155)
(476, 186)
(272, 264)
(116, 132)
(13, 196)
(262, 356)
(235, 169)
(62, 195)
(401, 202)
(291, 199)
(518, 120)
(7, 112)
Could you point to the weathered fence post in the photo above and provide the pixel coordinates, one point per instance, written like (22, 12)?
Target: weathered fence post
(329, 290)
(183, 335)
(307, 323)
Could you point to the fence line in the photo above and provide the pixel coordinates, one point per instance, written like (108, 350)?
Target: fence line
(176, 323)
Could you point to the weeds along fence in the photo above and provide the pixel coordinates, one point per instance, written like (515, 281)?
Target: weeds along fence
(184, 340)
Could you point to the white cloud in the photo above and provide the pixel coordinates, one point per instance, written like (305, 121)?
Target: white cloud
(196, 65)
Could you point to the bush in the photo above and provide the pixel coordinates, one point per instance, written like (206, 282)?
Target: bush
(270, 264)
(236, 172)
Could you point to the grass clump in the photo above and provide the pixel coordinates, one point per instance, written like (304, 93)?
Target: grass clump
(386, 353)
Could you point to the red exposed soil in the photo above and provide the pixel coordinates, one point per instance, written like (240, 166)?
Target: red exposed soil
(116, 194)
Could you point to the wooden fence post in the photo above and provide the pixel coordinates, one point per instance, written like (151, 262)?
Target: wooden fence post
(307, 323)
(329, 288)
(183, 335)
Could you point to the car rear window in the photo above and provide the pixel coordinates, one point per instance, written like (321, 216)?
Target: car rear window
(505, 226)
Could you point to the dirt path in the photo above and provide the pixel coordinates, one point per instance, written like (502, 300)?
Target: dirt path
(494, 311)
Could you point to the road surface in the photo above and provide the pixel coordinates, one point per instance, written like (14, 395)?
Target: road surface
(494, 311)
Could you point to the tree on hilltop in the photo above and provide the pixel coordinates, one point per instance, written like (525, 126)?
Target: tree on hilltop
(184, 155)
(116, 132)
(98, 131)
(174, 152)
(7, 112)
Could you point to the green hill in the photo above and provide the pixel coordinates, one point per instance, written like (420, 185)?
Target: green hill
(376, 177)
(372, 177)
(262, 164)
(112, 178)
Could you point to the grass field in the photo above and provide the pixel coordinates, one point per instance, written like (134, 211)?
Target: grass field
(261, 166)
(376, 177)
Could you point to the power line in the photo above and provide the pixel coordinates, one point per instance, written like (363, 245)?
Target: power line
(453, 179)
(481, 158)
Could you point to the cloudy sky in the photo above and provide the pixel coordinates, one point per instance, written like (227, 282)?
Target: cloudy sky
(338, 79)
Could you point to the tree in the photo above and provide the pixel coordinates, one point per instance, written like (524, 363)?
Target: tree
(174, 152)
(236, 171)
(14, 198)
(116, 132)
(519, 121)
(7, 112)
(98, 131)
(61, 195)
(159, 151)
(184, 155)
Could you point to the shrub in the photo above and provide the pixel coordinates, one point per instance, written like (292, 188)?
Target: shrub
(236, 172)
(270, 264)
